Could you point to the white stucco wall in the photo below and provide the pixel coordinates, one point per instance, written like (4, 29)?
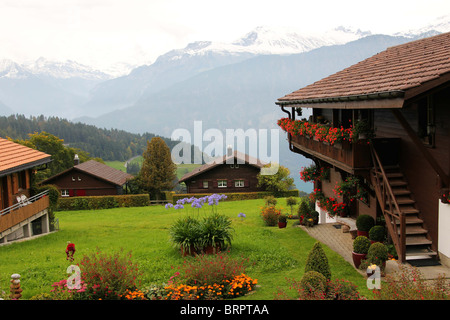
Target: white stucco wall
(444, 230)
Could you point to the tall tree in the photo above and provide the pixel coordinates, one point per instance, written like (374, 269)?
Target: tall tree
(158, 172)
(278, 182)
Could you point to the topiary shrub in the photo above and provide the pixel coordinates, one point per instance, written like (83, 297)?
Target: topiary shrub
(377, 254)
(313, 281)
(318, 261)
(364, 222)
(361, 245)
(377, 233)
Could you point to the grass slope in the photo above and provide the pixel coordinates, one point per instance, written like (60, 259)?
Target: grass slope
(274, 254)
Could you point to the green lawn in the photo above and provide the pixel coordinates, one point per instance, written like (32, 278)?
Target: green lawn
(275, 254)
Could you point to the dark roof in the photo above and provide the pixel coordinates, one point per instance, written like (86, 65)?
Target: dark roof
(226, 159)
(388, 74)
(98, 170)
(16, 157)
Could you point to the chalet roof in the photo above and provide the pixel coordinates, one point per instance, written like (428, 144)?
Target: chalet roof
(396, 74)
(98, 170)
(15, 157)
(238, 156)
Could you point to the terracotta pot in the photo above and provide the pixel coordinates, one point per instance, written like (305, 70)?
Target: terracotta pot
(357, 258)
(362, 233)
(211, 249)
(282, 224)
(191, 252)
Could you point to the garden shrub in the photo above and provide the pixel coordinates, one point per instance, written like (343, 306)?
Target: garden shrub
(377, 254)
(377, 233)
(103, 202)
(313, 281)
(361, 244)
(271, 201)
(270, 215)
(333, 290)
(318, 261)
(109, 277)
(408, 283)
(208, 277)
(237, 196)
(364, 222)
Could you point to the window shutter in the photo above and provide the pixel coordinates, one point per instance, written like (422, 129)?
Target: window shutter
(246, 183)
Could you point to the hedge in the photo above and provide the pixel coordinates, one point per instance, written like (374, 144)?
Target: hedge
(235, 196)
(103, 202)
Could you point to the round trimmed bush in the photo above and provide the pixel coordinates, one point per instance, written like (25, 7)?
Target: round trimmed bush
(377, 233)
(313, 281)
(361, 245)
(377, 254)
(364, 222)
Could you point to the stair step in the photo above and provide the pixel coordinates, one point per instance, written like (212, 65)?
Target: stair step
(417, 240)
(398, 183)
(391, 175)
(414, 230)
(411, 220)
(401, 192)
(405, 210)
(404, 201)
(419, 252)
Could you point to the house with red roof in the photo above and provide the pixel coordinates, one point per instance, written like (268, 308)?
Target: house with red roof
(383, 124)
(22, 213)
(90, 178)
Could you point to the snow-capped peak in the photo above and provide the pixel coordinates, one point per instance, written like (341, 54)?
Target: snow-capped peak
(269, 40)
(64, 70)
(11, 69)
(440, 25)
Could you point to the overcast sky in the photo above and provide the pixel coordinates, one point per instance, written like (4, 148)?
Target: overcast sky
(102, 32)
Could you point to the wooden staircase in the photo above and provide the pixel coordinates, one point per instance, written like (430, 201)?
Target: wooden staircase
(402, 215)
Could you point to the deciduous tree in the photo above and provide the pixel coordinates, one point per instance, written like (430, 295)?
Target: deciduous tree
(158, 170)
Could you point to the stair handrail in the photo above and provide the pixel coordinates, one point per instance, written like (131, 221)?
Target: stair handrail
(398, 238)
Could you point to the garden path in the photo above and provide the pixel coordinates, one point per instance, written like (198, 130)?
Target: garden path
(342, 243)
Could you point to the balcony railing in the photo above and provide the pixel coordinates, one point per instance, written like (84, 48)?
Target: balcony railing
(23, 210)
(349, 156)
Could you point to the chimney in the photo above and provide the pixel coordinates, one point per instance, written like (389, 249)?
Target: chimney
(76, 160)
(229, 150)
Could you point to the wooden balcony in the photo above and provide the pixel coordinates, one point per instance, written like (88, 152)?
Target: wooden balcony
(350, 157)
(14, 215)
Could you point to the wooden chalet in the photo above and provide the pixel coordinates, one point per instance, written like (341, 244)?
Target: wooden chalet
(22, 214)
(234, 172)
(90, 178)
(403, 94)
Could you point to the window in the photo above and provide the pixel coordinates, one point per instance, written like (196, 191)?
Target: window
(205, 184)
(239, 183)
(222, 183)
(64, 193)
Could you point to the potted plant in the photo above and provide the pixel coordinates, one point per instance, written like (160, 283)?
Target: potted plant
(185, 233)
(378, 255)
(361, 246)
(362, 130)
(364, 223)
(377, 234)
(216, 233)
(282, 221)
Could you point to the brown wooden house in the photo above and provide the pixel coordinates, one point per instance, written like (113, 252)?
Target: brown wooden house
(90, 178)
(234, 172)
(403, 94)
(22, 214)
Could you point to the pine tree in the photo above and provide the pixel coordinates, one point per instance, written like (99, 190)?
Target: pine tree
(158, 171)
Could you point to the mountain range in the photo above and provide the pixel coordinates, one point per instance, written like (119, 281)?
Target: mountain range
(227, 86)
